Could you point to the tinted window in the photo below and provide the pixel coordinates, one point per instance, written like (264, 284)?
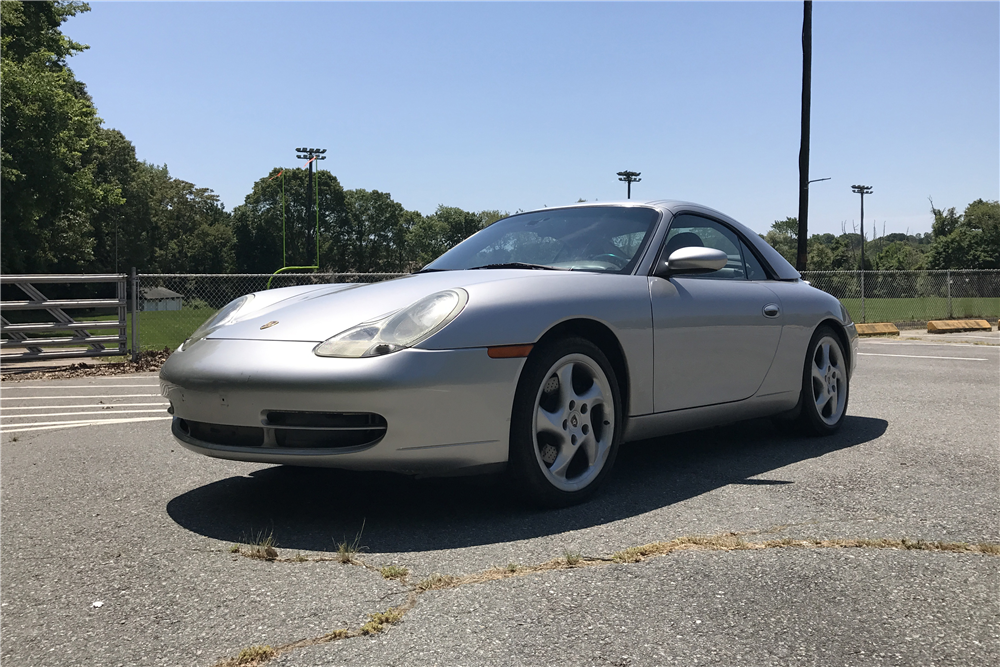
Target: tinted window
(693, 230)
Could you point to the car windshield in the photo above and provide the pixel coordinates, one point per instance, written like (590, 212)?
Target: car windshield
(592, 238)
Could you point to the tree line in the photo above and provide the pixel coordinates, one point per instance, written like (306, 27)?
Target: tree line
(76, 199)
(968, 240)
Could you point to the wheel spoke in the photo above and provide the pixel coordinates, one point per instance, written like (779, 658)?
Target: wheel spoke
(550, 422)
(819, 375)
(822, 400)
(826, 356)
(590, 448)
(561, 464)
(566, 393)
(593, 396)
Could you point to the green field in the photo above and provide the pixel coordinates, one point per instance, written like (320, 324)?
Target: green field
(921, 309)
(160, 328)
(169, 328)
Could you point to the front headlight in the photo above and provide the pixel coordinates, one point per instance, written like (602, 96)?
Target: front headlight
(399, 330)
(225, 316)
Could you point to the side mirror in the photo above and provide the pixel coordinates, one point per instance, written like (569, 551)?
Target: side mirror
(690, 261)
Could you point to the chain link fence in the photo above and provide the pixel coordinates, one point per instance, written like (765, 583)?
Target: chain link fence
(913, 296)
(172, 306)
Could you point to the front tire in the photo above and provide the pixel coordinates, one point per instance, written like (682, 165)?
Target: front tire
(825, 384)
(566, 423)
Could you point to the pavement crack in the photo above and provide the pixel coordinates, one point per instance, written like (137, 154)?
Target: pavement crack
(379, 622)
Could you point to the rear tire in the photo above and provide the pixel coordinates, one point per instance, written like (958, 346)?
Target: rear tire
(566, 423)
(825, 384)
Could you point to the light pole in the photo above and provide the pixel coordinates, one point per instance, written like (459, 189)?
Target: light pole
(802, 249)
(862, 190)
(312, 154)
(629, 177)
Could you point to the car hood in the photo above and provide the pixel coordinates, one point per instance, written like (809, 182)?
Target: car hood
(317, 316)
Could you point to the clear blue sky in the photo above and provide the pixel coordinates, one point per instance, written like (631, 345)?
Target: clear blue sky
(519, 105)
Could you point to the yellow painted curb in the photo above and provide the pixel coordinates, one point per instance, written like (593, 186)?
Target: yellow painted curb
(880, 329)
(952, 326)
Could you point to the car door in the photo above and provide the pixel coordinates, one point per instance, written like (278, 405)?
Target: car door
(714, 334)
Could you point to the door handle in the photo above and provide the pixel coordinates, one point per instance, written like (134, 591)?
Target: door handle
(772, 310)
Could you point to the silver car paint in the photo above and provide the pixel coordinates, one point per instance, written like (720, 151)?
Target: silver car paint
(447, 403)
(445, 409)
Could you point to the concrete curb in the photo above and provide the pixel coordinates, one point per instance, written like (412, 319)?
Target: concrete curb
(880, 329)
(954, 326)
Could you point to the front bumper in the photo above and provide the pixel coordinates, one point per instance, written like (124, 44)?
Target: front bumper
(445, 410)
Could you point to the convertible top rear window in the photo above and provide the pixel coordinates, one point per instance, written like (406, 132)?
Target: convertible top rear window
(593, 238)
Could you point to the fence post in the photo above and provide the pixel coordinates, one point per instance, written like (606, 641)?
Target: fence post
(948, 277)
(135, 315)
(863, 296)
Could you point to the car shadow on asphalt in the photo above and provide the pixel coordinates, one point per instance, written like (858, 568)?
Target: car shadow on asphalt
(312, 509)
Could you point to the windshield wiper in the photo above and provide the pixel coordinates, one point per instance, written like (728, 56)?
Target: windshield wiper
(520, 265)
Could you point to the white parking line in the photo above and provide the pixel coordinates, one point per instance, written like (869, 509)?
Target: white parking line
(78, 386)
(85, 405)
(45, 426)
(67, 414)
(53, 398)
(919, 356)
(920, 344)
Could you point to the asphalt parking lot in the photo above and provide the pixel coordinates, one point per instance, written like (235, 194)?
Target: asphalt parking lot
(864, 548)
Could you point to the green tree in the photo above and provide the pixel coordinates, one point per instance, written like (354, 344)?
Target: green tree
(190, 230)
(899, 256)
(257, 223)
(122, 229)
(783, 237)
(433, 235)
(49, 131)
(376, 238)
(967, 241)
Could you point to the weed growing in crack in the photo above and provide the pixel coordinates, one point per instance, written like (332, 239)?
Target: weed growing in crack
(572, 558)
(512, 567)
(436, 582)
(300, 558)
(381, 620)
(261, 547)
(394, 572)
(234, 549)
(346, 551)
(252, 656)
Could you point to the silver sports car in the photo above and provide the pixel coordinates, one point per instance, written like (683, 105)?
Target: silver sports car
(539, 345)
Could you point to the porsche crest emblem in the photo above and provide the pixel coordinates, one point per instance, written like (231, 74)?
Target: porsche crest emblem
(268, 325)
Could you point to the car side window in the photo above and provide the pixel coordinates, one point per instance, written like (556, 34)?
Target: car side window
(754, 269)
(688, 230)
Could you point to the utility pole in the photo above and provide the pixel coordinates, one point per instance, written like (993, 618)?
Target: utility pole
(802, 249)
(311, 154)
(629, 177)
(862, 190)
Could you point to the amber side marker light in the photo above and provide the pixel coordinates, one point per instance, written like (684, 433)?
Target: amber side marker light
(509, 351)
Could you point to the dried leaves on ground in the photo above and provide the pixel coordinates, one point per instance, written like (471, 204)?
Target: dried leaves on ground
(149, 361)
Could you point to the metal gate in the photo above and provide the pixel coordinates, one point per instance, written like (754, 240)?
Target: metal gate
(66, 347)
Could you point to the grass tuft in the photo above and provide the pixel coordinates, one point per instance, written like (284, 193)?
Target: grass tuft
(262, 547)
(234, 549)
(381, 621)
(512, 567)
(572, 559)
(346, 551)
(394, 572)
(253, 656)
(436, 582)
